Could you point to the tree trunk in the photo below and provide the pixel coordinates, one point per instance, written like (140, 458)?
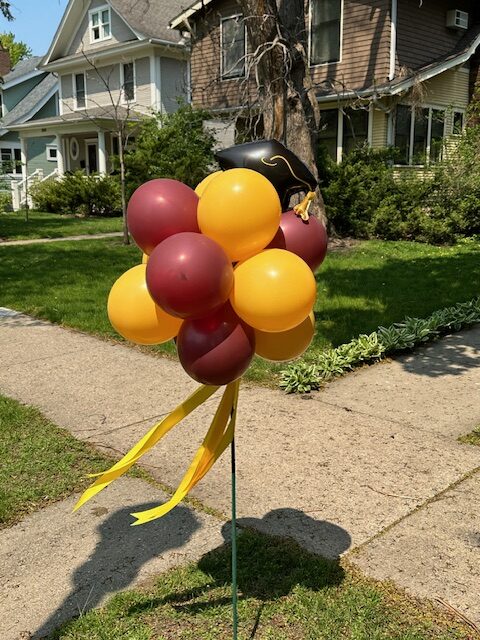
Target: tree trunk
(277, 36)
(121, 159)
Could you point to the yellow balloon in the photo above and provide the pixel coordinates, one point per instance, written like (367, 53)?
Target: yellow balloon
(273, 291)
(144, 258)
(201, 186)
(285, 345)
(133, 313)
(241, 211)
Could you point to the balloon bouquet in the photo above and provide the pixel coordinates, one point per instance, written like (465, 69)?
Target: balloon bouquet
(227, 275)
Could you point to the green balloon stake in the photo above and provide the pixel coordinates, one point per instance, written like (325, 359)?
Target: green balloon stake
(187, 289)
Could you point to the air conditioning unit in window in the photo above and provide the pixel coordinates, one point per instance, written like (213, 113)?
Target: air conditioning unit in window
(457, 19)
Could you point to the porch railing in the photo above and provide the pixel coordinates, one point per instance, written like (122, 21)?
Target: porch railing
(21, 188)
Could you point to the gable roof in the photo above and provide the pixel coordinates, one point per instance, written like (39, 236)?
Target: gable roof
(146, 18)
(31, 104)
(27, 67)
(182, 17)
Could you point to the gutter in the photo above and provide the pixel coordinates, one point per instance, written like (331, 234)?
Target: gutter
(393, 39)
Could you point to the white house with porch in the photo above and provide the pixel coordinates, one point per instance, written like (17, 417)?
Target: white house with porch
(115, 60)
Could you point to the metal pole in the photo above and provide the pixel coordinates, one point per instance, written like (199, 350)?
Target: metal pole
(234, 545)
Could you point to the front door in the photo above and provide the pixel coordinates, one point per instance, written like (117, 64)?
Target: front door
(92, 157)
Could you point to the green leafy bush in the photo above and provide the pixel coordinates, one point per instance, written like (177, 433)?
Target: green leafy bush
(77, 193)
(171, 145)
(302, 377)
(5, 201)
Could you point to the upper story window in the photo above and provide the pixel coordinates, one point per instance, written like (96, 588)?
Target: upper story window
(128, 81)
(100, 24)
(419, 134)
(79, 90)
(325, 31)
(232, 33)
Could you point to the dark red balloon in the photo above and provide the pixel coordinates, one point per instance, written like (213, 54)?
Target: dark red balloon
(159, 209)
(307, 239)
(216, 349)
(189, 275)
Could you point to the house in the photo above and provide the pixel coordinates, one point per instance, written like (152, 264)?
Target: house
(27, 94)
(394, 73)
(115, 61)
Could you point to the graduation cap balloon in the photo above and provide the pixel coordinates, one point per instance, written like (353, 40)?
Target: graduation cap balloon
(287, 173)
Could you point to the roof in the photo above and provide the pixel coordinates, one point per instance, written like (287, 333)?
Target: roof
(150, 18)
(185, 13)
(33, 101)
(96, 114)
(22, 68)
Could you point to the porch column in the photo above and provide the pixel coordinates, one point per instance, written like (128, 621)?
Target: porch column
(102, 154)
(23, 156)
(60, 156)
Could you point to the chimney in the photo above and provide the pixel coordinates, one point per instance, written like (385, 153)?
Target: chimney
(5, 65)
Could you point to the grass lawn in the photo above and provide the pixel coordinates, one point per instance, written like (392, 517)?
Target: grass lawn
(40, 463)
(471, 438)
(374, 283)
(286, 594)
(52, 225)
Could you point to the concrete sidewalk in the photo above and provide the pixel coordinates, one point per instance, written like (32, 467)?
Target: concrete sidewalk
(372, 452)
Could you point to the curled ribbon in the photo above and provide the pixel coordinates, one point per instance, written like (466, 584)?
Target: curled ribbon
(219, 436)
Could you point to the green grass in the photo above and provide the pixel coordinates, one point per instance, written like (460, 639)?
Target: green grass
(52, 225)
(286, 594)
(40, 463)
(374, 283)
(471, 438)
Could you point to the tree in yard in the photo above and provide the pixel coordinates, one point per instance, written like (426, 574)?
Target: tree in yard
(17, 50)
(278, 64)
(5, 10)
(172, 145)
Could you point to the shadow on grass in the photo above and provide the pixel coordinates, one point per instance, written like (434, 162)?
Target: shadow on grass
(269, 566)
(119, 555)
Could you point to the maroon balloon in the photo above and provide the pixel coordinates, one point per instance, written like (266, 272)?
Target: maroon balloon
(161, 208)
(189, 275)
(307, 239)
(216, 349)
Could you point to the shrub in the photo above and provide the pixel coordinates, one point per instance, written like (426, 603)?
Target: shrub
(77, 193)
(5, 201)
(171, 145)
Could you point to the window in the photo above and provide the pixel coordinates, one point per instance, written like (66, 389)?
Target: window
(419, 134)
(128, 82)
(11, 160)
(80, 95)
(233, 47)
(328, 133)
(355, 129)
(325, 31)
(100, 20)
(51, 153)
(458, 122)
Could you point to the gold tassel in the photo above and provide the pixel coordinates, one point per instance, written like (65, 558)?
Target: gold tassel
(302, 208)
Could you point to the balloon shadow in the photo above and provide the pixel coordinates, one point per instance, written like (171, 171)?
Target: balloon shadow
(118, 557)
(269, 566)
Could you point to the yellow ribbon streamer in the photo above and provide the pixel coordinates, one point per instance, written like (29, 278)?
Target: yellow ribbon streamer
(302, 208)
(219, 436)
(146, 443)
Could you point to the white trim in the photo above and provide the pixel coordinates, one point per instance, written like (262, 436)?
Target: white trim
(189, 81)
(24, 78)
(153, 81)
(48, 148)
(222, 20)
(101, 25)
(183, 17)
(75, 31)
(60, 95)
(370, 125)
(123, 99)
(340, 58)
(73, 156)
(340, 136)
(74, 90)
(393, 39)
(90, 141)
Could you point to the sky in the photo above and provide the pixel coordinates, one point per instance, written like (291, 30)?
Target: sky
(35, 22)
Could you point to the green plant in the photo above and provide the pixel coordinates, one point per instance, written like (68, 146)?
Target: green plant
(78, 193)
(171, 145)
(5, 201)
(301, 377)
